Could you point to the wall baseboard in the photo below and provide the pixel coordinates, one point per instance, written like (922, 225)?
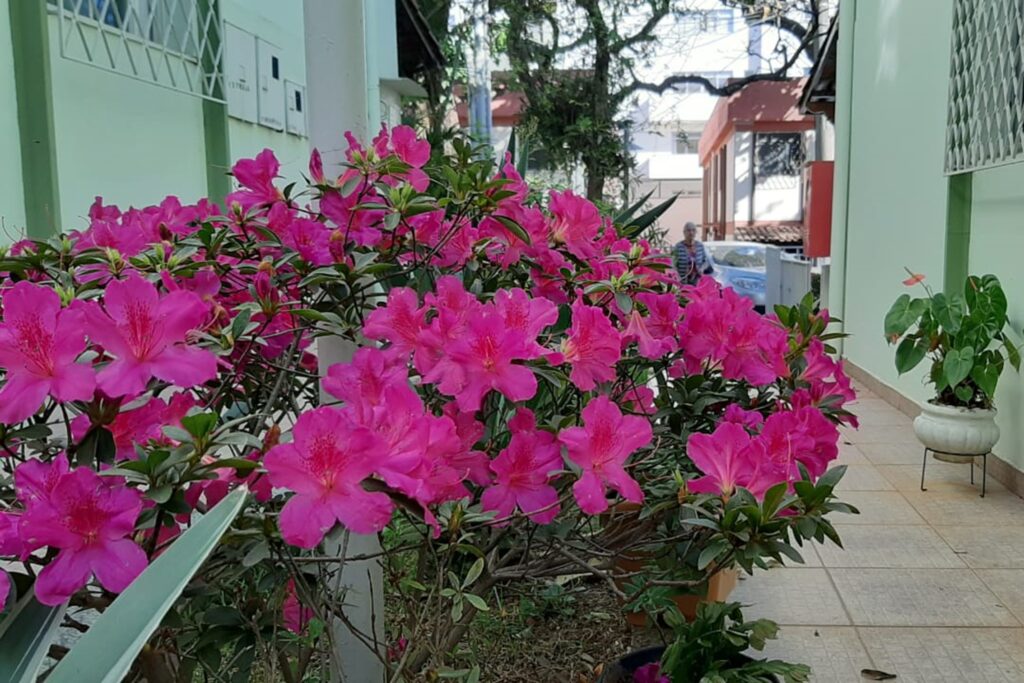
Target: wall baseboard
(998, 469)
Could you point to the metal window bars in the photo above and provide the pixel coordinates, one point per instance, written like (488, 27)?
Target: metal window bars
(985, 125)
(176, 44)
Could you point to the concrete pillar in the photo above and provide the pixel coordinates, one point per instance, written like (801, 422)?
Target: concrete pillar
(337, 87)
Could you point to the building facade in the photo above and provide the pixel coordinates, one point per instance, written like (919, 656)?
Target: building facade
(911, 191)
(753, 154)
(133, 100)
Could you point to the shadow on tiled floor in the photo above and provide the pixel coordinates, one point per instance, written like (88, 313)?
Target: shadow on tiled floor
(930, 585)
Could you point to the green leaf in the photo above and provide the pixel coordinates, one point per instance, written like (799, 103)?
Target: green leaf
(910, 353)
(624, 302)
(25, 637)
(647, 220)
(477, 602)
(97, 447)
(627, 214)
(199, 425)
(949, 311)
(903, 313)
(514, 228)
(986, 376)
(964, 393)
(474, 573)
(107, 650)
(1012, 353)
(711, 553)
(957, 365)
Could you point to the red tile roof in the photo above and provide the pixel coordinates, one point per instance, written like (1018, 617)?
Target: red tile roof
(772, 234)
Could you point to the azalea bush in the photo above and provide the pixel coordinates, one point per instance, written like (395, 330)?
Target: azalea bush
(518, 369)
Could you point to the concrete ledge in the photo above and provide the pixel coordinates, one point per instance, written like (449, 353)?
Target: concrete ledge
(1000, 470)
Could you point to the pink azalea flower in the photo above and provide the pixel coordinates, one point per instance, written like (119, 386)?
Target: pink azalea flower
(39, 344)
(751, 419)
(523, 471)
(525, 314)
(575, 222)
(137, 426)
(35, 479)
(601, 447)
(647, 345)
(355, 224)
(663, 317)
(256, 176)
(362, 382)
(592, 348)
(729, 458)
(639, 399)
(325, 467)
(650, 673)
(146, 333)
(470, 431)
(10, 536)
(399, 322)
(310, 239)
(482, 360)
(403, 142)
(316, 168)
(88, 519)
(454, 307)
(296, 615)
(721, 327)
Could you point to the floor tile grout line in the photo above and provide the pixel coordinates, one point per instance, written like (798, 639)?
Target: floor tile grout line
(952, 549)
(849, 617)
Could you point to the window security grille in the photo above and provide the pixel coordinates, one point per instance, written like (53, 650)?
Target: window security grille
(175, 44)
(985, 125)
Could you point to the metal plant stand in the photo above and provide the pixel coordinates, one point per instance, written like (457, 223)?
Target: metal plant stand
(972, 456)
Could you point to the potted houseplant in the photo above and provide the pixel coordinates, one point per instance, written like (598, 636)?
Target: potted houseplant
(965, 337)
(713, 647)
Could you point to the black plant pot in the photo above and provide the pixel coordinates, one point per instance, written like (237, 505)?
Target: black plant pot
(621, 671)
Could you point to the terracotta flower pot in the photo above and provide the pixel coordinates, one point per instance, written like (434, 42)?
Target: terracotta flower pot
(626, 517)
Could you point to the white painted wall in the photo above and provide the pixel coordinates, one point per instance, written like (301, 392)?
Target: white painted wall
(743, 174)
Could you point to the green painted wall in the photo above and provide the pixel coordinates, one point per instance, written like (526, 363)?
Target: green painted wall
(997, 244)
(897, 190)
(131, 142)
(12, 198)
(280, 22)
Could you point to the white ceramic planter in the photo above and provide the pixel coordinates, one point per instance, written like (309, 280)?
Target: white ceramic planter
(956, 431)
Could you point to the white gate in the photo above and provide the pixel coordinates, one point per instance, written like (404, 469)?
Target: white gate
(787, 278)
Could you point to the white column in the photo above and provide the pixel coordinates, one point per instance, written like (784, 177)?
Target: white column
(336, 80)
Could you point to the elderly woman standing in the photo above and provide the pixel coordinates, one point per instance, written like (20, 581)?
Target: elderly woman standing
(690, 258)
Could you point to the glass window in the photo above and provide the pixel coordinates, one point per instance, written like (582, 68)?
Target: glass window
(778, 154)
(687, 142)
(709, 21)
(738, 256)
(170, 25)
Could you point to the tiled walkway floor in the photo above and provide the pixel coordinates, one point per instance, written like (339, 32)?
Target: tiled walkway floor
(930, 585)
